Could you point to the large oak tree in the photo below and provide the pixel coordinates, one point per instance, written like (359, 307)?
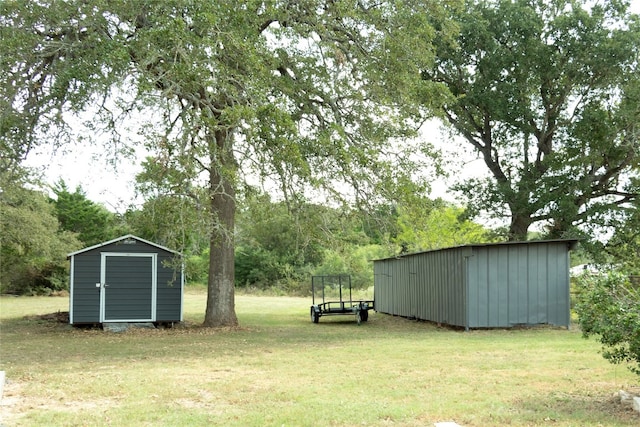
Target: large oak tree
(304, 92)
(547, 95)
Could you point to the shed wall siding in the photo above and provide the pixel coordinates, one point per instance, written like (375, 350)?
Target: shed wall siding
(520, 284)
(427, 286)
(85, 296)
(85, 304)
(479, 286)
(170, 289)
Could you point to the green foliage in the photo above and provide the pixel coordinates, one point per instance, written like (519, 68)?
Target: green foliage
(307, 94)
(286, 242)
(205, 72)
(433, 224)
(33, 248)
(624, 246)
(546, 92)
(608, 307)
(176, 222)
(173, 215)
(355, 261)
(196, 267)
(277, 241)
(281, 244)
(379, 224)
(621, 249)
(91, 222)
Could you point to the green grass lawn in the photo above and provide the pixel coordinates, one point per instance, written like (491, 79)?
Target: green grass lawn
(279, 369)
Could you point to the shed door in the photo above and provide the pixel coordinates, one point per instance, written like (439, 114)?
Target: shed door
(128, 287)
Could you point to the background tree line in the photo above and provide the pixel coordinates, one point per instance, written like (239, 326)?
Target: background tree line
(279, 244)
(545, 93)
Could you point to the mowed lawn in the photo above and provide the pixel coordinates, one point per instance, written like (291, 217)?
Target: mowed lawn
(280, 369)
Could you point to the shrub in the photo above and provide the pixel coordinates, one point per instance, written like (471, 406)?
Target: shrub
(197, 267)
(356, 262)
(608, 307)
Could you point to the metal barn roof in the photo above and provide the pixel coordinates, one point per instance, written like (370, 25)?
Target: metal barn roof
(571, 242)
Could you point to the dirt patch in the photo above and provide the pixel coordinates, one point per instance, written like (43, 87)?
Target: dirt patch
(10, 403)
(14, 404)
(58, 317)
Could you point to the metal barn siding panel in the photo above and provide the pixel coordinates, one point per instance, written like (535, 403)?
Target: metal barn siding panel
(539, 284)
(536, 274)
(451, 283)
(402, 287)
(382, 286)
(377, 278)
(442, 279)
(479, 286)
(427, 286)
(494, 278)
(559, 304)
(415, 290)
(519, 284)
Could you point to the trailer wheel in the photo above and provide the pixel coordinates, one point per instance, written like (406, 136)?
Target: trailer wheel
(364, 315)
(315, 317)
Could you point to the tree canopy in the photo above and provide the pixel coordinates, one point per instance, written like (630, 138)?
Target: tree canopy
(33, 247)
(91, 222)
(304, 93)
(435, 224)
(546, 93)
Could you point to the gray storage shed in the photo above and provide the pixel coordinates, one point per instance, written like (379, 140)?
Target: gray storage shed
(479, 286)
(127, 279)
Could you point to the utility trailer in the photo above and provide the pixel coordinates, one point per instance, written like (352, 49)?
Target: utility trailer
(336, 297)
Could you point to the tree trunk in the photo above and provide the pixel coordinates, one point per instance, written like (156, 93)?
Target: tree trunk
(559, 229)
(519, 227)
(220, 309)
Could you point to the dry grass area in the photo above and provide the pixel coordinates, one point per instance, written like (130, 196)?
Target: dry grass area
(278, 368)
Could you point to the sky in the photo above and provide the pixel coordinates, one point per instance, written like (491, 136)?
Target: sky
(86, 166)
(113, 184)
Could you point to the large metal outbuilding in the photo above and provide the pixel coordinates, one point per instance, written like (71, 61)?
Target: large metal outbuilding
(127, 279)
(496, 285)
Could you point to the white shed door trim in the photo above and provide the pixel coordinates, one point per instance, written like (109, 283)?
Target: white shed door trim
(104, 286)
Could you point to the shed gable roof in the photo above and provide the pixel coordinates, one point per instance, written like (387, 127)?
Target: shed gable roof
(119, 239)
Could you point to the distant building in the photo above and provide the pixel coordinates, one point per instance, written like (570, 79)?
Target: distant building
(581, 269)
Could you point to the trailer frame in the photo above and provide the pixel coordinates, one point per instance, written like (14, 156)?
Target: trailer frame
(341, 306)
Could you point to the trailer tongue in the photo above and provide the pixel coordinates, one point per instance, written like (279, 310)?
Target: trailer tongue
(335, 294)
